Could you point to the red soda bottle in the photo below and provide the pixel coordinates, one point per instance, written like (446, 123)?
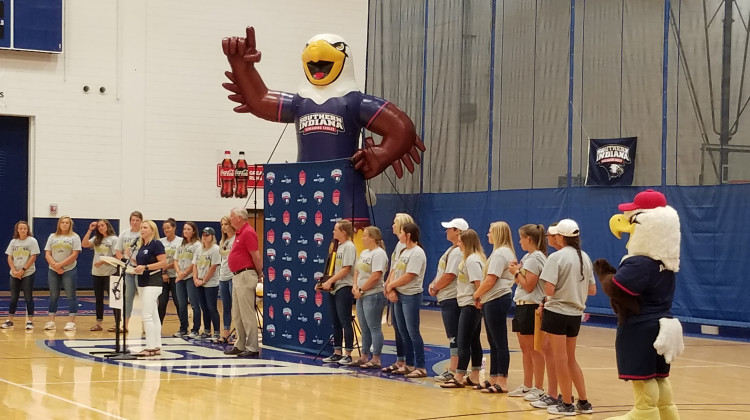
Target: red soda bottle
(226, 175)
(241, 174)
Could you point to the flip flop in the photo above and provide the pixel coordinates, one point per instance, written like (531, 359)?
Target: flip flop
(417, 373)
(452, 384)
(483, 385)
(494, 389)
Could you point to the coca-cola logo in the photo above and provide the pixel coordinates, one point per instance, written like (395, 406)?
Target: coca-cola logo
(241, 173)
(226, 173)
(270, 312)
(270, 197)
(271, 274)
(271, 236)
(302, 336)
(318, 218)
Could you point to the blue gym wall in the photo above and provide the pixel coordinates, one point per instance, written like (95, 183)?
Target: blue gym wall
(712, 283)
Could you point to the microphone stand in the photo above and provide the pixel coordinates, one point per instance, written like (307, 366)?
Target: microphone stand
(125, 354)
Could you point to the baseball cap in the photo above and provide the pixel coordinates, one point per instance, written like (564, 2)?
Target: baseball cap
(209, 230)
(565, 227)
(457, 223)
(648, 199)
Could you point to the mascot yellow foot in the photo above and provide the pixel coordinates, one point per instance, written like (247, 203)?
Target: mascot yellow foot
(653, 401)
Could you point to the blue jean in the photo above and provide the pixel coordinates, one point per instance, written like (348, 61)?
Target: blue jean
(341, 318)
(370, 314)
(182, 300)
(207, 300)
(406, 315)
(67, 280)
(193, 298)
(468, 339)
(129, 294)
(495, 318)
(450, 311)
(225, 291)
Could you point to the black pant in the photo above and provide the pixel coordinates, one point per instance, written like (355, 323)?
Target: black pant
(469, 344)
(164, 297)
(495, 321)
(101, 284)
(341, 317)
(27, 284)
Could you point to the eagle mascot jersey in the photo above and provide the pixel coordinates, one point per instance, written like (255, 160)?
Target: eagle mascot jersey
(328, 111)
(641, 291)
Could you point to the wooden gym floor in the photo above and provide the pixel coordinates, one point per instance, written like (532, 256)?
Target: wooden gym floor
(50, 375)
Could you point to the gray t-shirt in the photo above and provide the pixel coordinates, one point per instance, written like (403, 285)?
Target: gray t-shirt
(346, 256)
(21, 251)
(62, 246)
(497, 264)
(185, 257)
(469, 271)
(105, 249)
(532, 263)
(396, 253)
(170, 249)
(449, 264)
(203, 260)
(368, 263)
(563, 269)
(224, 273)
(412, 261)
(126, 242)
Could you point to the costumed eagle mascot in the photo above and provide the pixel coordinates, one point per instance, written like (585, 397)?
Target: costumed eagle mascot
(641, 292)
(329, 111)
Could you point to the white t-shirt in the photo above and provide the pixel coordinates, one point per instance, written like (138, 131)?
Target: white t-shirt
(62, 246)
(170, 249)
(497, 264)
(106, 248)
(203, 260)
(126, 242)
(563, 269)
(469, 271)
(21, 251)
(346, 256)
(224, 273)
(412, 261)
(185, 255)
(449, 264)
(368, 263)
(532, 263)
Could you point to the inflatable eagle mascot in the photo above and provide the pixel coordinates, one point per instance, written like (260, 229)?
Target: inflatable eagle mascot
(641, 292)
(329, 111)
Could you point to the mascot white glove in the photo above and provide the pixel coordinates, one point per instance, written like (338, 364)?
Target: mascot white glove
(669, 341)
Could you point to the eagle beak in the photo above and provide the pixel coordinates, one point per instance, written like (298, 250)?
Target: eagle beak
(620, 224)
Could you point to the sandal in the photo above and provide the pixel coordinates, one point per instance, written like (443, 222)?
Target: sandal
(390, 369)
(483, 385)
(417, 373)
(452, 384)
(96, 328)
(356, 363)
(370, 365)
(469, 382)
(403, 370)
(494, 389)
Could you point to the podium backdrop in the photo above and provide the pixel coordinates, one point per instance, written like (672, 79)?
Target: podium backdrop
(303, 201)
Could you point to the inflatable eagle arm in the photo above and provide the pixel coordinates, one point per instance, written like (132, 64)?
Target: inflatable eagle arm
(400, 142)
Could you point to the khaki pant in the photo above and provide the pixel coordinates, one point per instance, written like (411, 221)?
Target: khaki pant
(243, 310)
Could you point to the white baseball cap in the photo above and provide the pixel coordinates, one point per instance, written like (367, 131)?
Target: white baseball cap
(457, 223)
(565, 227)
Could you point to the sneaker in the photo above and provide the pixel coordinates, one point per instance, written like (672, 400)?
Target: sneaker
(521, 391)
(50, 325)
(180, 334)
(7, 325)
(29, 325)
(585, 408)
(334, 358)
(345, 360)
(562, 409)
(70, 326)
(534, 394)
(205, 335)
(193, 334)
(444, 377)
(546, 401)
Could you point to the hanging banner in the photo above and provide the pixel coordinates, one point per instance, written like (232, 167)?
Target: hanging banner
(303, 201)
(611, 162)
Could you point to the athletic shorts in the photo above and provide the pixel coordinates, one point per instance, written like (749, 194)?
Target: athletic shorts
(523, 321)
(559, 324)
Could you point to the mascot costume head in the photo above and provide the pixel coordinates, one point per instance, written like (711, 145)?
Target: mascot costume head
(641, 292)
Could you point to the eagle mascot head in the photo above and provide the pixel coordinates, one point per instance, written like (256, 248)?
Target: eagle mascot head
(328, 68)
(654, 228)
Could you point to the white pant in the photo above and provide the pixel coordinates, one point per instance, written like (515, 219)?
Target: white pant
(150, 314)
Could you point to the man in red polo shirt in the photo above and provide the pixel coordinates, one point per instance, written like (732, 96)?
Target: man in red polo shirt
(246, 264)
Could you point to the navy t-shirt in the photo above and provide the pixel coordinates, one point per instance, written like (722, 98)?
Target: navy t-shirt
(648, 278)
(147, 255)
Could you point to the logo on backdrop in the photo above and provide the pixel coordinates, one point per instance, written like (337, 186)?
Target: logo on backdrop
(611, 162)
